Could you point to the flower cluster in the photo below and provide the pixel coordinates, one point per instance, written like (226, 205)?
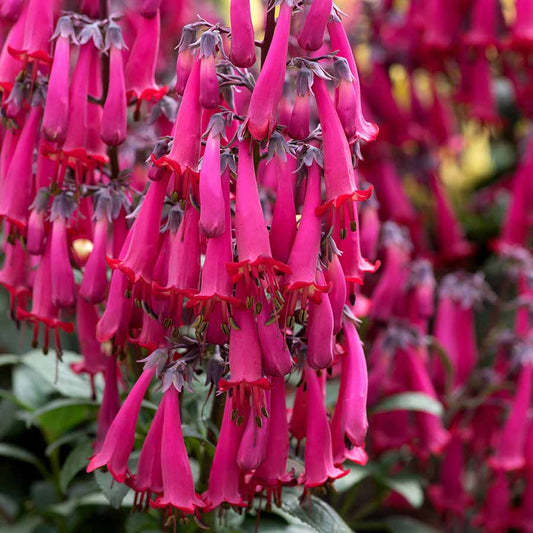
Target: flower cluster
(234, 252)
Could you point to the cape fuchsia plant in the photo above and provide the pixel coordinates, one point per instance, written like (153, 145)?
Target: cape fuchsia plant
(266, 218)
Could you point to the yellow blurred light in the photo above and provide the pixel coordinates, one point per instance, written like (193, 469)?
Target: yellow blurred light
(400, 85)
(82, 248)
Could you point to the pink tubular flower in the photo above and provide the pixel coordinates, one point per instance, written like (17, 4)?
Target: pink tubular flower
(496, 515)
(339, 175)
(484, 21)
(110, 401)
(335, 279)
(298, 127)
(9, 65)
(38, 29)
(16, 189)
(43, 309)
(262, 111)
(94, 283)
(139, 72)
(276, 357)
(391, 284)
(149, 476)
(183, 264)
(253, 446)
(510, 449)
(115, 116)
(370, 229)
(367, 131)
(311, 36)
(272, 472)
(216, 287)
(450, 494)
(36, 234)
(246, 371)
(178, 483)
(209, 97)
(301, 282)
(212, 201)
(137, 257)
(522, 30)
(242, 34)
(93, 358)
(283, 225)
(185, 152)
(55, 119)
(320, 338)
(253, 244)
(225, 475)
(319, 467)
(63, 288)
(349, 424)
(118, 443)
(186, 58)
(15, 274)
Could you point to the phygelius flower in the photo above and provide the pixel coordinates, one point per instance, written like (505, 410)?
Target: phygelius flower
(511, 446)
(242, 34)
(349, 423)
(209, 43)
(139, 72)
(185, 59)
(178, 483)
(366, 131)
(339, 174)
(212, 201)
(298, 127)
(253, 244)
(118, 443)
(115, 117)
(55, 119)
(311, 35)
(319, 467)
(301, 284)
(225, 475)
(262, 111)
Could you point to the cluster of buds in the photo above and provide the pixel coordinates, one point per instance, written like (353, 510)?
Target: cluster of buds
(235, 252)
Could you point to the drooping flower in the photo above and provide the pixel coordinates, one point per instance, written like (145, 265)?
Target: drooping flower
(242, 34)
(311, 35)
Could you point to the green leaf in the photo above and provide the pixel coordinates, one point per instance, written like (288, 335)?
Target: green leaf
(8, 359)
(114, 492)
(356, 475)
(65, 439)
(316, 514)
(142, 523)
(68, 507)
(59, 416)
(406, 524)
(407, 486)
(29, 388)
(59, 374)
(26, 524)
(409, 401)
(20, 454)
(77, 460)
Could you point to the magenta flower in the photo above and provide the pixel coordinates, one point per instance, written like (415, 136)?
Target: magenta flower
(212, 200)
(262, 111)
(94, 284)
(339, 175)
(94, 360)
(209, 96)
(349, 423)
(510, 448)
(367, 131)
(115, 117)
(118, 443)
(483, 31)
(186, 58)
(319, 467)
(55, 120)
(450, 495)
(253, 244)
(334, 276)
(16, 189)
(496, 514)
(242, 34)
(522, 30)
(149, 476)
(272, 473)
(178, 483)
(298, 127)
(311, 35)
(301, 283)
(225, 475)
(253, 446)
(139, 72)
